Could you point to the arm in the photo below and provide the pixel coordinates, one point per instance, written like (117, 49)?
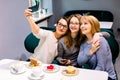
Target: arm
(60, 51)
(100, 34)
(105, 34)
(33, 25)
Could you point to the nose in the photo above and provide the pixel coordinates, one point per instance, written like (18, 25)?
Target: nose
(81, 26)
(61, 27)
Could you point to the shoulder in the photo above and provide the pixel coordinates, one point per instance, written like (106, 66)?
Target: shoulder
(61, 39)
(45, 31)
(103, 41)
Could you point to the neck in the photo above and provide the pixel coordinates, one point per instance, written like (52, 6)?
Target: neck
(89, 38)
(74, 35)
(57, 36)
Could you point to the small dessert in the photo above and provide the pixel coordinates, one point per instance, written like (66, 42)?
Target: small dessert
(70, 70)
(34, 62)
(50, 67)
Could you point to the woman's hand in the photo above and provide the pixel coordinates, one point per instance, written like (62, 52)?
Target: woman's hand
(65, 62)
(95, 47)
(68, 62)
(28, 13)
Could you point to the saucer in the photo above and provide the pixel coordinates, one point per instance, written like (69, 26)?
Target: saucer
(36, 78)
(14, 71)
(66, 74)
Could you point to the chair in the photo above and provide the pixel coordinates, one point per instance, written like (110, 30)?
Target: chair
(113, 44)
(31, 41)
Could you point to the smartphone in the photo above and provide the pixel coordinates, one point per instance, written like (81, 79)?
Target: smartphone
(64, 60)
(34, 5)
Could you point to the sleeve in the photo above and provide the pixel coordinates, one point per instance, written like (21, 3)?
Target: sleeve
(42, 33)
(102, 54)
(105, 34)
(83, 55)
(60, 50)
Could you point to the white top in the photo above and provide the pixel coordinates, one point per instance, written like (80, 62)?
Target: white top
(83, 74)
(46, 50)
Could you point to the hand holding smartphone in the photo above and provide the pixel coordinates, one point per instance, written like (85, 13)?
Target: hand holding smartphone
(63, 61)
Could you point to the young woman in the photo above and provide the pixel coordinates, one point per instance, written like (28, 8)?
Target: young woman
(68, 46)
(101, 59)
(46, 50)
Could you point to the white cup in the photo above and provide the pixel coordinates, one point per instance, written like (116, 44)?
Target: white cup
(18, 66)
(36, 71)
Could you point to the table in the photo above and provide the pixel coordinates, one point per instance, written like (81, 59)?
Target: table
(84, 74)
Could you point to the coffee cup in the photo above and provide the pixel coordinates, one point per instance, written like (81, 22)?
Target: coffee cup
(17, 67)
(36, 72)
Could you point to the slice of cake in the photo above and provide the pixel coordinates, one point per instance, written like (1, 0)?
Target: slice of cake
(70, 70)
(34, 62)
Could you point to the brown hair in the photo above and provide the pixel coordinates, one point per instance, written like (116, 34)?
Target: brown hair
(65, 18)
(68, 39)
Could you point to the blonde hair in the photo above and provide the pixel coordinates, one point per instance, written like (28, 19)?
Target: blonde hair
(95, 25)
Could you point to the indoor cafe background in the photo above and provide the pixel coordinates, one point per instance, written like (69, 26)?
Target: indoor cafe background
(14, 26)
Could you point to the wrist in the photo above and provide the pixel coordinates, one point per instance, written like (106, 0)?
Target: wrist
(91, 52)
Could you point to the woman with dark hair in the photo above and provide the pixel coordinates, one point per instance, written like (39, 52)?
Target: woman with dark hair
(46, 50)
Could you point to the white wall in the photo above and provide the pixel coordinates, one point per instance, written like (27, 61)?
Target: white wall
(13, 28)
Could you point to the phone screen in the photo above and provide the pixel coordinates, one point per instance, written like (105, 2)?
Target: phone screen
(34, 5)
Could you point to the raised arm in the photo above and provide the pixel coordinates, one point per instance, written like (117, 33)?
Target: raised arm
(33, 25)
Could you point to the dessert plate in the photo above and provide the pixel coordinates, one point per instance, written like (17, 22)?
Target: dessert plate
(56, 68)
(64, 72)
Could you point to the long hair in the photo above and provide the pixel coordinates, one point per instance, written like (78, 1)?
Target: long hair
(68, 39)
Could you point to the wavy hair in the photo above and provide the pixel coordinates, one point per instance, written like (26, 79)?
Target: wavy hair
(68, 39)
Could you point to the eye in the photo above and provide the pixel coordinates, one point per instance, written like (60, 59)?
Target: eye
(85, 23)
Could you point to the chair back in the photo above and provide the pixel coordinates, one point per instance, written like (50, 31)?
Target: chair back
(31, 41)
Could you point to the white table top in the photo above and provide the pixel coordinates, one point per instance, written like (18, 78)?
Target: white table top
(84, 74)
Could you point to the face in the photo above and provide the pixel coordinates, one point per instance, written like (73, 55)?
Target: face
(62, 27)
(85, 27)
(74, 25)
